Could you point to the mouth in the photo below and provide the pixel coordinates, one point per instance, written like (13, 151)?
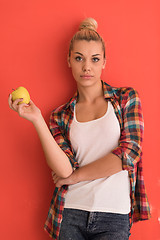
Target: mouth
(86, 76)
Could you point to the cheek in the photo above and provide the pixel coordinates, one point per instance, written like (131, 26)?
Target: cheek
(75, 69)
(75, 73)
(99, 69)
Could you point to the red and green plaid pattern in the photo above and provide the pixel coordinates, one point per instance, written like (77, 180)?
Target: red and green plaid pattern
(128, 110)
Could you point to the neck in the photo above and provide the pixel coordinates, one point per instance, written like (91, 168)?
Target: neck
(90, 93)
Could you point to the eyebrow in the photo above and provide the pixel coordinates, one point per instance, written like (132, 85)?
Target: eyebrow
(92, 55)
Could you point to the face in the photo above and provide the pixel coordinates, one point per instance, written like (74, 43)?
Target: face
(87, 61)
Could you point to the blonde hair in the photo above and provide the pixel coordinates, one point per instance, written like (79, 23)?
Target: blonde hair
(87, 31)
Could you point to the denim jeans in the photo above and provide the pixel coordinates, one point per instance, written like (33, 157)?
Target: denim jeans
(83, 225)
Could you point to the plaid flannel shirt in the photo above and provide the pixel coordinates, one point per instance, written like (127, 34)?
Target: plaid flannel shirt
(127, 107)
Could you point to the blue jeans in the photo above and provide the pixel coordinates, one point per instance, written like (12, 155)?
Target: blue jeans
(83, 225)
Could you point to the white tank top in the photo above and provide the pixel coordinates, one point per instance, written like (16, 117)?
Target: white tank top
(92, 140)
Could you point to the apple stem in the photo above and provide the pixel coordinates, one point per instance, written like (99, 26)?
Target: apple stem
(13, 89)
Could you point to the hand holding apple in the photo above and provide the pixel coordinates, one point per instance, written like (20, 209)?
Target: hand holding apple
(19, 101)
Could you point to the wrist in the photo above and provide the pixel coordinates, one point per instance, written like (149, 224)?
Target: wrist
(76, 176)
(38, 120)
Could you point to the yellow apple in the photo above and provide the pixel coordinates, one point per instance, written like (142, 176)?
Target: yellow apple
(21, 92)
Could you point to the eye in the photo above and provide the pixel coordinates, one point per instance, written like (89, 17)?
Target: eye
(95, 59)
(78, 58)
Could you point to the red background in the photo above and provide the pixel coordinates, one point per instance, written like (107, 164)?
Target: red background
(34, 43)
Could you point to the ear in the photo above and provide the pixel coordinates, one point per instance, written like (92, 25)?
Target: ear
(104, 64)
(68, 60)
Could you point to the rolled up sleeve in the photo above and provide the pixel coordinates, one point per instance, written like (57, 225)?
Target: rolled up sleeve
(59, 136)
(130, 143)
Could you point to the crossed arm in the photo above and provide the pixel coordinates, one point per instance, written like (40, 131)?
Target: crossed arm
(101, 168)
(127, 153)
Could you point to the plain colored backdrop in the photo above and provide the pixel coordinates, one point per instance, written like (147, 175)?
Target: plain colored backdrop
(34, 42)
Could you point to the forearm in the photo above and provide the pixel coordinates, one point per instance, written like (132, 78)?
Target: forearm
(101, 168)
(55, 157)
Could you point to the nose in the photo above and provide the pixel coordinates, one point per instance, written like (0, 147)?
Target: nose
(86, 66)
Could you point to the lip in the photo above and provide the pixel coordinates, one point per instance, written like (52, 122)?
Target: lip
(86, 76)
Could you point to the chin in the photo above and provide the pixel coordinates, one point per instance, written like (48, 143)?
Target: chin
(87, 82)
(84, 82)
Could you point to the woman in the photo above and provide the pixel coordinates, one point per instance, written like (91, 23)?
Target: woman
(95, 154)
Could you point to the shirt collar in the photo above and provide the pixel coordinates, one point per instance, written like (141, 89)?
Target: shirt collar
(108, 92)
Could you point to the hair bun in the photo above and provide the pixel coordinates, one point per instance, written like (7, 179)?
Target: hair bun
(89, 23)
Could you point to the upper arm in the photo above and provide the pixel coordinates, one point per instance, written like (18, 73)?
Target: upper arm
(60, 138)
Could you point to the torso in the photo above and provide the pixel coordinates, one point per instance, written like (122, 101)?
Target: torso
(86, 112)
(91, 140)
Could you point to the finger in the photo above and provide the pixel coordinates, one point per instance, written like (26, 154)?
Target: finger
(59, 183)
(55, 179)
(31, 101)
(15, 104)
(10, 101)
(53, 176)
(20, 109)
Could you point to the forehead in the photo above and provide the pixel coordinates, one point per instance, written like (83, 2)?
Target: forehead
(87, 47)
